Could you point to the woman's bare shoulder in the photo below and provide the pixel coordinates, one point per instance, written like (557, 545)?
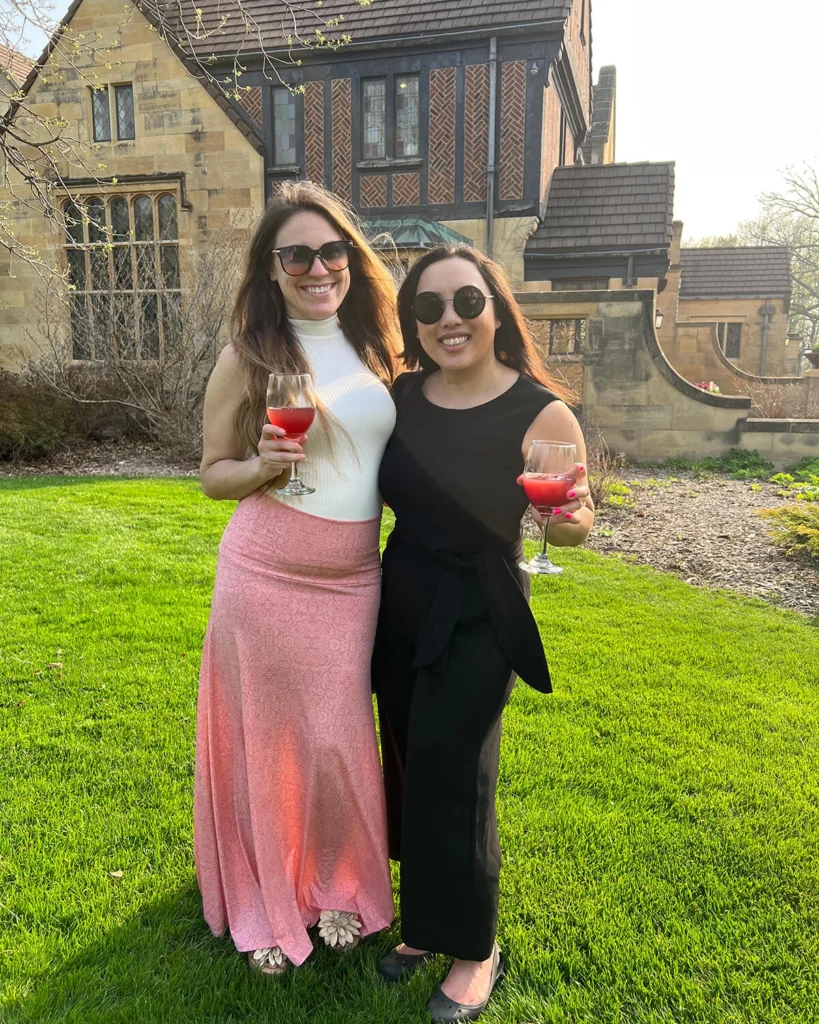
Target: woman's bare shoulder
(229, 356)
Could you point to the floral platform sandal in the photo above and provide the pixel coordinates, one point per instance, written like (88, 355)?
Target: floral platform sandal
(269, 960)
(340, 929)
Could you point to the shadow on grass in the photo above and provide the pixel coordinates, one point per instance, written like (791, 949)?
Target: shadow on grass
(163, 965)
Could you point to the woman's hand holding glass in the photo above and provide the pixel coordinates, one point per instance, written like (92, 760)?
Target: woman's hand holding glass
(551, 478)
(277, 453)
(576, 495)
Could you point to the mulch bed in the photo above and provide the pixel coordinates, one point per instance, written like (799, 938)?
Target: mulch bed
(113, 458)
(705, 531)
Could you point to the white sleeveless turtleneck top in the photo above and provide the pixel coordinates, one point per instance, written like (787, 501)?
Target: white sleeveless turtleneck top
(345, 475)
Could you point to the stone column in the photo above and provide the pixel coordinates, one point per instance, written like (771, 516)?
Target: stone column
(812, 404)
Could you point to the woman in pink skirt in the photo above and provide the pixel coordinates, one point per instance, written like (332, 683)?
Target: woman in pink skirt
(289, 819)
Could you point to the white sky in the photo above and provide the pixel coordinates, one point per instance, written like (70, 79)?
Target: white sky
(726, 88)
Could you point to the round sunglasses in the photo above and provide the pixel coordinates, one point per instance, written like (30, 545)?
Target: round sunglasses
(296, 260)
(468, 302)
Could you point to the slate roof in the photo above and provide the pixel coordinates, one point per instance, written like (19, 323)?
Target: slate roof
(603, 97)
(762, 272)
(607, 208)
(13, 65)
(270, 22)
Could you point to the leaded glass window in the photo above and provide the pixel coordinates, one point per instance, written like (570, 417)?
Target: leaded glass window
(375, 119)
(167, 218)
(730, 337)
(284, 126)
(123, 265)
(101, 114)
(124, 98)
(406, 115)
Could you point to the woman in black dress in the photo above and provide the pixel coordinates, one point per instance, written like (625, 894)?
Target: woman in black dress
(455, 626)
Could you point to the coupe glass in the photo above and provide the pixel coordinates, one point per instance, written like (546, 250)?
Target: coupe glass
(291, 405)
(547, 476)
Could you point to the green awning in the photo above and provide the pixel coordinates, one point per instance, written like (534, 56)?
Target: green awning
(411, 233)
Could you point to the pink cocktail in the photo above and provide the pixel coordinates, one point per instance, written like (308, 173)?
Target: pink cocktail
(547, 491)
(294, 421)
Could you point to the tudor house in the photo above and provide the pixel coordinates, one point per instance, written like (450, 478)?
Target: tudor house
(439, 120)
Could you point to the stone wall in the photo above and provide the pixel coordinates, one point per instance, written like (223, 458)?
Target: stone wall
(642, 405)
(184, 144)
(686, 351)
(782, 442)
(772, 395)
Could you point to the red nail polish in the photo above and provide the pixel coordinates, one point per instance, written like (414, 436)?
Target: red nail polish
(557, 512)
(570, 494)
(568, 515)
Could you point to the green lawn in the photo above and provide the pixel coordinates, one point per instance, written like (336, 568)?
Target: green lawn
(659, 812)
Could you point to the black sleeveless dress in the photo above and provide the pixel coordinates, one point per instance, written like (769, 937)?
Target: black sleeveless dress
(454, 628)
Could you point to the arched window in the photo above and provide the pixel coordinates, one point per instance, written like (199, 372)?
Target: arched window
(122, 258)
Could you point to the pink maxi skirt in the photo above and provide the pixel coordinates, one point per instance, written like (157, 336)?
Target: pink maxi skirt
(289, 815)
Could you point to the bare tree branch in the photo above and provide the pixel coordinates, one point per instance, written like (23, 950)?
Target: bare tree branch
(40, 152)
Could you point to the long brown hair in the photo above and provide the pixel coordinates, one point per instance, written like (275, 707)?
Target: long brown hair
(262, 335)
(514, 345)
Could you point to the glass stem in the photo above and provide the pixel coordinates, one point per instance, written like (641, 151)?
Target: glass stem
(294, 473)
(544, 553)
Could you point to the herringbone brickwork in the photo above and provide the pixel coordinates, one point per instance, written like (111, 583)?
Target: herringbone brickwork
(476, 127)
(513, 129)
(342, 139)
(314, 132)
(406, 189)
(251, 99)
(442, 135)
(373, 190)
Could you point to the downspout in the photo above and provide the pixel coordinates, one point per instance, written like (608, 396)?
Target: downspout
(493, 131)
(767, 311)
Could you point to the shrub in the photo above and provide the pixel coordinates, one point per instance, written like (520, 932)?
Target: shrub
(739, 464)
(32, 423)
(807, 470)
(776, 401)
(605, 471)
(157, 396)
(795, 528)
(35, 421)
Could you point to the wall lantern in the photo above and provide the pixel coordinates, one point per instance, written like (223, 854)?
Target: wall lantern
(659, 316)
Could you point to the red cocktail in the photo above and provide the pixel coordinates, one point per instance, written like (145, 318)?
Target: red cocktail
(547, 491)
(294, 421)
(291, 406)
(549, 472)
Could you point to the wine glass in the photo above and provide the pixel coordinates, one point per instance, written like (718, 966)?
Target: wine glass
(291, 405)
(547, 476)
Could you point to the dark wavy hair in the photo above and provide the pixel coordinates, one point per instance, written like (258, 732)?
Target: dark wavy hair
(262, 334)
(514, 345)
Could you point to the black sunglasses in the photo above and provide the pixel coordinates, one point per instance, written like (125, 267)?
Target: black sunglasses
(296, 260)
(468, 302)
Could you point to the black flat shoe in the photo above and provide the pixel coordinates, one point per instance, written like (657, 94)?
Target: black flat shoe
(445, 1010)
(396, 966)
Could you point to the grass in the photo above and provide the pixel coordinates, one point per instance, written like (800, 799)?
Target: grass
(658, 811)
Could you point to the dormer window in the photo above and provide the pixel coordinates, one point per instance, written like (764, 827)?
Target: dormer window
(113, 105)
